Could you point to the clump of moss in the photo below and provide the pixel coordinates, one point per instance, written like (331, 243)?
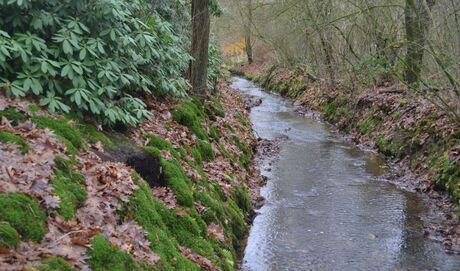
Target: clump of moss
(92, 135)
(153, 151)
(190, 115)
(55, 264)
(240, 118)
(236, 228)
(197, 156)
(24, 214)
(6, 137)
(105, 257)
(214, 133)
(66, 132)
(13, 116)
(218, 108)
(9, 237)
(245, 158)
(177, 181)
(70, 192)
(367, 125)
(449, 177)
(158, 142)
(69, 186)
(151, 215)
(205, 149)
(162, 144)
(391, 146)
(243, 199)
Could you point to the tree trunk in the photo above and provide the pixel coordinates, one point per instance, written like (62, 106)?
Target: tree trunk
(248, 33)
(200, 46)
(417, 17)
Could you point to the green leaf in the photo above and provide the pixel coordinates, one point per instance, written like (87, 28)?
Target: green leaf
(67, 47)
(82, 54)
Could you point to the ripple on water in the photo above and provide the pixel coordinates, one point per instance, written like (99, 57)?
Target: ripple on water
(325, 208)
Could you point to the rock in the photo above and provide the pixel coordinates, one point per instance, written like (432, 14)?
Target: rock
(252, 101)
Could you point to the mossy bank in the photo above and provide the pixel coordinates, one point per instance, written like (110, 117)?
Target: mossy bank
(193, 216)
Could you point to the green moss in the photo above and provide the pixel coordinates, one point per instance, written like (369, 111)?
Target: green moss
(243, 199)
(449, 177)
(177, 181)
(9, 237)
(197, 156)
(240, 117)
(13, 116)
(218, 108)
(367, 125)
(246, 156)
(33, 108)
(236, 226)
(92, 135)
(6, 137)
(205, 149)
(24, 214)
(190, 115)
(391, 146)
(70, 191)
(55, 264)
(66, 132)
(162, 144)
(214, 133)
(105, 257)
(153, 216)
(158, 142)
(153, 151)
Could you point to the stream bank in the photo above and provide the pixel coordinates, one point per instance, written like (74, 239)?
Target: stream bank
(421, 143)
(174, 193)
(328, 206)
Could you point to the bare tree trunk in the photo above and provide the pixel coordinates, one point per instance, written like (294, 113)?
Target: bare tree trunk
(417, 16)
(248, 33)
(200, 46)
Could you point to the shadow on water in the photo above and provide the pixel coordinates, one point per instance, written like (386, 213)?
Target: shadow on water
(326, 208)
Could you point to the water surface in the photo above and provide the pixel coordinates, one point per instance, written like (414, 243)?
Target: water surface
(326, 207)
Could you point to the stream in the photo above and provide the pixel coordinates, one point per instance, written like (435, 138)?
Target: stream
(327, 208)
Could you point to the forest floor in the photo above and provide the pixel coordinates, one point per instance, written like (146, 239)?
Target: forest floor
(176, 193)
(421, 143)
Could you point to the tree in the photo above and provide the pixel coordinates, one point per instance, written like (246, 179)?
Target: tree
(417, 20)
(248, 32)
(200, 44)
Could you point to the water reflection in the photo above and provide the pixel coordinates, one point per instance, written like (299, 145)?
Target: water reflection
(326, 210)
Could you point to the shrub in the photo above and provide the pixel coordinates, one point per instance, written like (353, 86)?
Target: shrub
(89, 56)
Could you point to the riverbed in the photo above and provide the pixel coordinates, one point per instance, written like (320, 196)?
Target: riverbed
(327, 206)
